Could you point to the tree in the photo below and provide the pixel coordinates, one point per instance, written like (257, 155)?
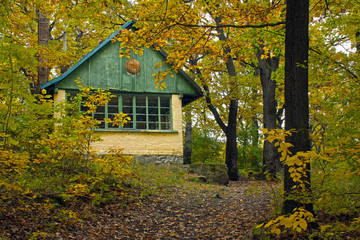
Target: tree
(267, 66)
(210, 40)
(19, 28)
(333, 76)
(296, 92)
(188, 136)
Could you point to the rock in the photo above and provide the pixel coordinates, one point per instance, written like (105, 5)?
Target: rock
(193, 177)
(214, 173)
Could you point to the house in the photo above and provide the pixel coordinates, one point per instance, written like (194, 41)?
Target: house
(155, 130)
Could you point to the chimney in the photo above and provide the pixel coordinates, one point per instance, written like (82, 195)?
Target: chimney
(43, 39)
(63, 69)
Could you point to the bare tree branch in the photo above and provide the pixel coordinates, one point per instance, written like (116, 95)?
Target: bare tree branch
(232, 25)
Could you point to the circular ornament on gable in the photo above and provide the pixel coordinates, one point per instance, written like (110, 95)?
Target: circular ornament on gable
(133, 66)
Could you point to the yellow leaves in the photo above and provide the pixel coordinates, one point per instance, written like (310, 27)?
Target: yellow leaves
(160, 78)
(79, 190)
(120, 119)
(279, 135)
(297, 163)
(162, 85)
(124, 53)
(107, 120)
(114, 164)
(276, 134)
(298, 221)
(93, 98)
(12, 162)
(286, 222)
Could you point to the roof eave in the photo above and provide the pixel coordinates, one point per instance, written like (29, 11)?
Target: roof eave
(85, 58)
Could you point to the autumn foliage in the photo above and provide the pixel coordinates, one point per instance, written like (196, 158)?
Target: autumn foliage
(47, 164)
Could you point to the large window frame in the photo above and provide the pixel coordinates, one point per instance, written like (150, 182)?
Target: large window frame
(148, 112)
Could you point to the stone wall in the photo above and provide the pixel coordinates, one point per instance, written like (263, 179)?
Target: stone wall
(158, 159)
(212, 173)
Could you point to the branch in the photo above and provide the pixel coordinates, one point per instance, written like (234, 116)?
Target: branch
(336, 62)
(213, 109)
(232, 25)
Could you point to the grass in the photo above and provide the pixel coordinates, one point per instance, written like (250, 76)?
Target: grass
(167, 181)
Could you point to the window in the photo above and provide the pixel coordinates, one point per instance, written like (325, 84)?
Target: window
(146, 112)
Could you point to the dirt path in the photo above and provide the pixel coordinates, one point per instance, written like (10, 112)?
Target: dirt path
(216, 213)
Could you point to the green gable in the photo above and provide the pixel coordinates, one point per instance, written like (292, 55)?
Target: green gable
(103, 68)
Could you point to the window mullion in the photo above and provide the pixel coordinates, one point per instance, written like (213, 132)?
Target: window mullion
(106, 115)
(159, 111)
(147, 112)
(171, 114)
(134, 112)
(120, 107)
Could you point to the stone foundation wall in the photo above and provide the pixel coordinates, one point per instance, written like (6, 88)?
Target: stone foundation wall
(158, 159)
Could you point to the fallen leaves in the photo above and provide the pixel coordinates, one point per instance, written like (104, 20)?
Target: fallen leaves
(195, 214)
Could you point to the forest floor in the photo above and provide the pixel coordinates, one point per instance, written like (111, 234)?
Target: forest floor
(164, 204)
(211, 212)
(161, 203)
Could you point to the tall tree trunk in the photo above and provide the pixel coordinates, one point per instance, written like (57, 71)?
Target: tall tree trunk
(271, 161)
(255, 136)
(230, 132)
(43, 39)
(296, 91)
(231, 143)
(188, 137)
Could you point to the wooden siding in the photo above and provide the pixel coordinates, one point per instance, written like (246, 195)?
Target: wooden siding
(106, 70)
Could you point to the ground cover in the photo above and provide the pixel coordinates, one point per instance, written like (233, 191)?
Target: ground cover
(164, 205)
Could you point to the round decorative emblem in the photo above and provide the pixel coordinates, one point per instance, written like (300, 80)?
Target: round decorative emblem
(133, 66)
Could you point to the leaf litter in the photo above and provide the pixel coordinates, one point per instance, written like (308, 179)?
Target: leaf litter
(201, 212)
(217, 212)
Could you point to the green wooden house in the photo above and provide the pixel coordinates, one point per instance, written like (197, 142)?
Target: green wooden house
(155, 130)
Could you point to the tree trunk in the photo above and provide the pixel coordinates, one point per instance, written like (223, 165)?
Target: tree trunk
(231, 143)
(231, 158)
(296, 91)
(188, 137)
(229, 130)
(43, 39)
(271, 160)
(255, 135)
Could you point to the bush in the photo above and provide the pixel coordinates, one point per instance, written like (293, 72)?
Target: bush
(206, 148)
(249, 150)
(48, 172)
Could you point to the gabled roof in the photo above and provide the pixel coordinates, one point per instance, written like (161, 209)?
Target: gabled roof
(55, 81)
(86, 57)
